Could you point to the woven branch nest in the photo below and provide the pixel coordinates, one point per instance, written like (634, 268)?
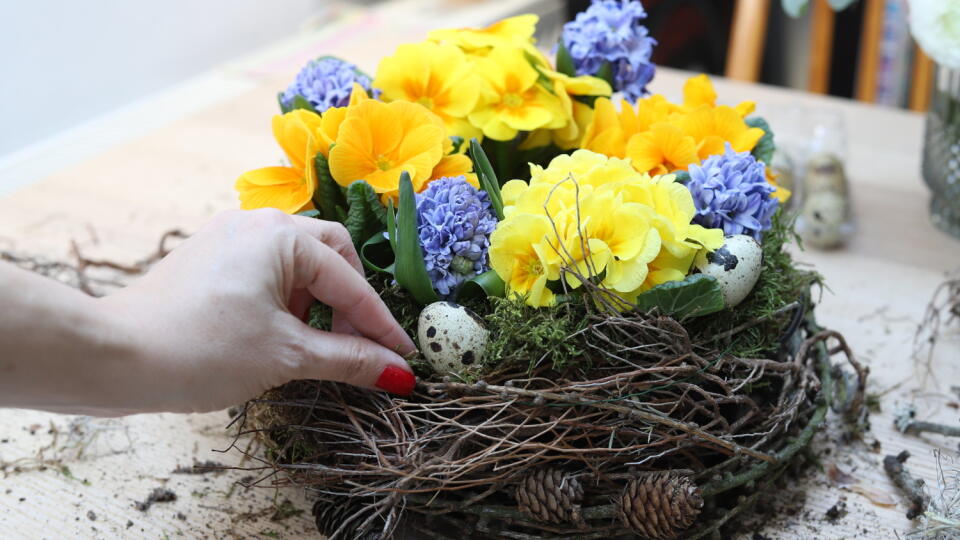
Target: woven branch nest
(663, 437)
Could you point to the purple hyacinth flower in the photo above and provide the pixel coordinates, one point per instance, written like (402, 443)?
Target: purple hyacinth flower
(730, 191)
(454, 221)
(610, 31)
(326, 82)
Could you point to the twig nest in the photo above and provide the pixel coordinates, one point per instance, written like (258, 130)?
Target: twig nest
(736, 267)
(823, 221)
(451, 337)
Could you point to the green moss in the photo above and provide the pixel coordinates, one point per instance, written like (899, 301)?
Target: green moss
(522, 336)
(781, 282)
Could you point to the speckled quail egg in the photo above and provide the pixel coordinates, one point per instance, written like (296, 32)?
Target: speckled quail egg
(736, 267)
(823, 222)
(451, 337)
(825, 173)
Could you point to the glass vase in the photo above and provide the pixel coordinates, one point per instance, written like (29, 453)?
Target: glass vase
(941, 151)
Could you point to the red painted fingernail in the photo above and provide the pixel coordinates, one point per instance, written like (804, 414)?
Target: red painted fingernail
(397, 381)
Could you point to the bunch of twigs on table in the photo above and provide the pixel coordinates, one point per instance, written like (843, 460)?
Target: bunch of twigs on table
(654, 434)
(96, 277)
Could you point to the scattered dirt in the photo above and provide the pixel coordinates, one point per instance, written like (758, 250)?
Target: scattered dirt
(838, 510)
(158, 495)
(198, 467)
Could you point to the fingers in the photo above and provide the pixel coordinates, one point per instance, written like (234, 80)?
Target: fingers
(333, 235)
(300, 302)
(357, 361)
(331, 280)
(336, 236)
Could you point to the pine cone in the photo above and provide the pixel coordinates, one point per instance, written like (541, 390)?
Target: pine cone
(660, 505)
(331, 514)
(551, 496)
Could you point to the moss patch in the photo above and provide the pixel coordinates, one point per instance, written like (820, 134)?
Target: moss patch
(780, 283)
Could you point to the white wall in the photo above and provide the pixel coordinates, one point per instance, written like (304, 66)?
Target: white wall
(64, 62)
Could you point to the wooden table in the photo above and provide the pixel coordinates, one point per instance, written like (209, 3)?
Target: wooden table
(117, 203)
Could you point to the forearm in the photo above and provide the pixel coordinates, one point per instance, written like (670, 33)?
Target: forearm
(60, 350)
(218, 321)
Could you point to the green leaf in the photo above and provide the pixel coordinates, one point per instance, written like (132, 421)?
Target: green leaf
(697, 295)
(682, 176)
(284, 108)
(606, 73)
(565, 61)
(410, 270)
(313, 213)
(763, 151)
(365, 214)
(482, 286)
(377, 255)
(457, 143)
(392, 225)
(328, 196)
(300, 102)
(542, 77)
(487, 178)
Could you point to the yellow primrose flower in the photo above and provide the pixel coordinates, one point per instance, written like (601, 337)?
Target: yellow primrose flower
(289, 189)
(517, 253)
(611, 128)
(711, 128)
(674, 211)
(698, 92)
(579, 114)
(377, 141)
(625, 232)
(454, 165)
(439, 77)
(515, 31)
(332, 118)
(662, 149)
(588, 169)
(511, 100)
(605, 219)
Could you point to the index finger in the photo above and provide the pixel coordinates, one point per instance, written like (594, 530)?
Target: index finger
(332, 234)
(333, 281)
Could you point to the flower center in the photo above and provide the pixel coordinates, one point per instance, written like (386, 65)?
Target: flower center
(383, 163)
(426, 102)
(512, 100)
(534, 267)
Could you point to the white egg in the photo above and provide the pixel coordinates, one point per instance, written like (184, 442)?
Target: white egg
(825, 172)
(736, 267)
(823, 223)
(451, 337)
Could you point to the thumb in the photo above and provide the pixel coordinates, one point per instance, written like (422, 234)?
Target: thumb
(355, 360)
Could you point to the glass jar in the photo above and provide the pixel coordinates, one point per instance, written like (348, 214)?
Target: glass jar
(941, 151)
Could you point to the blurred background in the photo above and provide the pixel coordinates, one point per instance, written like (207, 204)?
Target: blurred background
(99, 59)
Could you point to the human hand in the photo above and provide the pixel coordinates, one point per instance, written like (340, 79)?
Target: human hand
(220, 319)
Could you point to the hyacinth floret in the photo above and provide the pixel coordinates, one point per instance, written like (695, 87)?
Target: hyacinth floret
(326, 82)
(454, 221)
(730, 191)
(610, 31)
